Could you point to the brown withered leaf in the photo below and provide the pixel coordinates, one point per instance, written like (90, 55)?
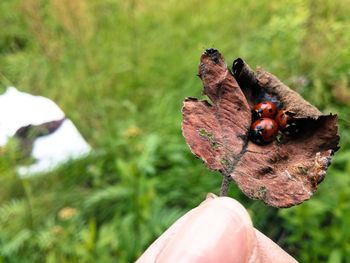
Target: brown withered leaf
(282, 173)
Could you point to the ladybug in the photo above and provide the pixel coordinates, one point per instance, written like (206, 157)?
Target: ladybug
(264, 109)
(263, 130)
(286, 123)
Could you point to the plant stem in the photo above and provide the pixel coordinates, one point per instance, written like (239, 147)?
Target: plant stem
(25, 186)
(225, 185)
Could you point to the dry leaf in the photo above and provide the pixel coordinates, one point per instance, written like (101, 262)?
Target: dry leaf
(283, 173)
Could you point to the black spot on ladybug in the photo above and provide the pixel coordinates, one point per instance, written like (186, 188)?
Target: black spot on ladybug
(270, 110)
(282, 114)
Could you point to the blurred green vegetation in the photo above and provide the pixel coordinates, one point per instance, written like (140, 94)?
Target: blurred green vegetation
(120, 70)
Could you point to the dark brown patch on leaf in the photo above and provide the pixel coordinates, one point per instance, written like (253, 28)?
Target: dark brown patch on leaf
(283, 173)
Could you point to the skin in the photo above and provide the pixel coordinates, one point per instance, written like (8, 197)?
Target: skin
(218, 230)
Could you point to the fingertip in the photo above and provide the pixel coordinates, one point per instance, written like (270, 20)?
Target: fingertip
(233, 207)
(269, 251)
(211, 196)
(219, 230)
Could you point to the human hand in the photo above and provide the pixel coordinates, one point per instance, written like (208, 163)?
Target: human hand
(218, 230)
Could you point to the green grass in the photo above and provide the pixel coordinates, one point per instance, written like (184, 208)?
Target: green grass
(120, 70)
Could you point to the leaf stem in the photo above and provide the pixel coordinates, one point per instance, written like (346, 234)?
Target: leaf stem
(226, 180)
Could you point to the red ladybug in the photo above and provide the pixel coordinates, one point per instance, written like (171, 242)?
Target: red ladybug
(263, 130)
(286, 123)
(264, 109)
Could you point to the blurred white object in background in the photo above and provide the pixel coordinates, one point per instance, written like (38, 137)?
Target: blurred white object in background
(20, 109)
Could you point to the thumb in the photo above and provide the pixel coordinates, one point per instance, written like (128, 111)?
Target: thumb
(219, 230)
